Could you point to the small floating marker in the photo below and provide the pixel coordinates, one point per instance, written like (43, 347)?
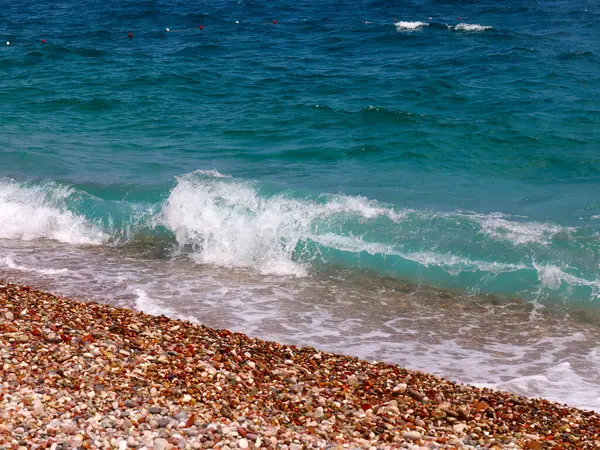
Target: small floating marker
(237, 21)
(167, 30)
(201, 27)
(7, 42)
(275, 22)
(43, 41)
(458, 18)
(130, 35)
(430, 18)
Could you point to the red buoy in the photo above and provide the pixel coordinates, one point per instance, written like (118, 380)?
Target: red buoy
(275, 22)
(202, 27)
(43, 41)
(130, 35)
(458, 18)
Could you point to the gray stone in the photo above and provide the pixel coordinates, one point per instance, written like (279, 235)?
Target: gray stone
(163, 422)
(155, 410)
(181, 416)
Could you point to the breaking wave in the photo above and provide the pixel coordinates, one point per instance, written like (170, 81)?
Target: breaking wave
(212, 218)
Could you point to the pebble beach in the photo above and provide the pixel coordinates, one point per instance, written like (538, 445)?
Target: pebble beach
(86, 375)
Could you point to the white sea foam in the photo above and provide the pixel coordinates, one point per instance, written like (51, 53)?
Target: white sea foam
(11, 264)
(497, 226)
(471, 27)
(554, 277)
(557, 383)
(230, 223)
(456, 264)
(353, 244)
(39, 212)
(144, 303)
(409, 26)
(148, 305)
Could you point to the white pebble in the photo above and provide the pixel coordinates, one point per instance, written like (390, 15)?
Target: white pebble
(318, 412)
(243, 443)
(38, 408)
(160, 444)
(412, 435)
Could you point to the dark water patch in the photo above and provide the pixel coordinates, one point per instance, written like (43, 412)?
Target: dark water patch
(202, 51)
(568, 56)
(99, 104)
(512, 9)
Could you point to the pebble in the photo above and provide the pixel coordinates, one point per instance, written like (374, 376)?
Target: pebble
(160, 444)
(93, 378)
(181, 415)
(459, 427)
(412, 435)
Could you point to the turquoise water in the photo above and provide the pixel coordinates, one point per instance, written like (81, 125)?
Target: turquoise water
(462, 154)
(306, 174)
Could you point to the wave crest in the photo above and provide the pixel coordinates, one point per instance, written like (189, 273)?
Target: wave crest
(41, 212)
(409, 26)
(470, 27)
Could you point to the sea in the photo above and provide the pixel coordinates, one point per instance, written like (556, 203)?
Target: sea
(411, 181)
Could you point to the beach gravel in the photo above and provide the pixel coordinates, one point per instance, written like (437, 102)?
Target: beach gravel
(86, 375)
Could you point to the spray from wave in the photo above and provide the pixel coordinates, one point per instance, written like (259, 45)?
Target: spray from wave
(30, 212)
(231, 223)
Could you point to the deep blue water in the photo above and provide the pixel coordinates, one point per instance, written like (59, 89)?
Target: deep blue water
(339, 138)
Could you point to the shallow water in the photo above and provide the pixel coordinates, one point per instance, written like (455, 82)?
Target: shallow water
(378, 178)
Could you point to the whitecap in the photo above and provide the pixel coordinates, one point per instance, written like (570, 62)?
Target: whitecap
(409, 26)
(471, 27)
